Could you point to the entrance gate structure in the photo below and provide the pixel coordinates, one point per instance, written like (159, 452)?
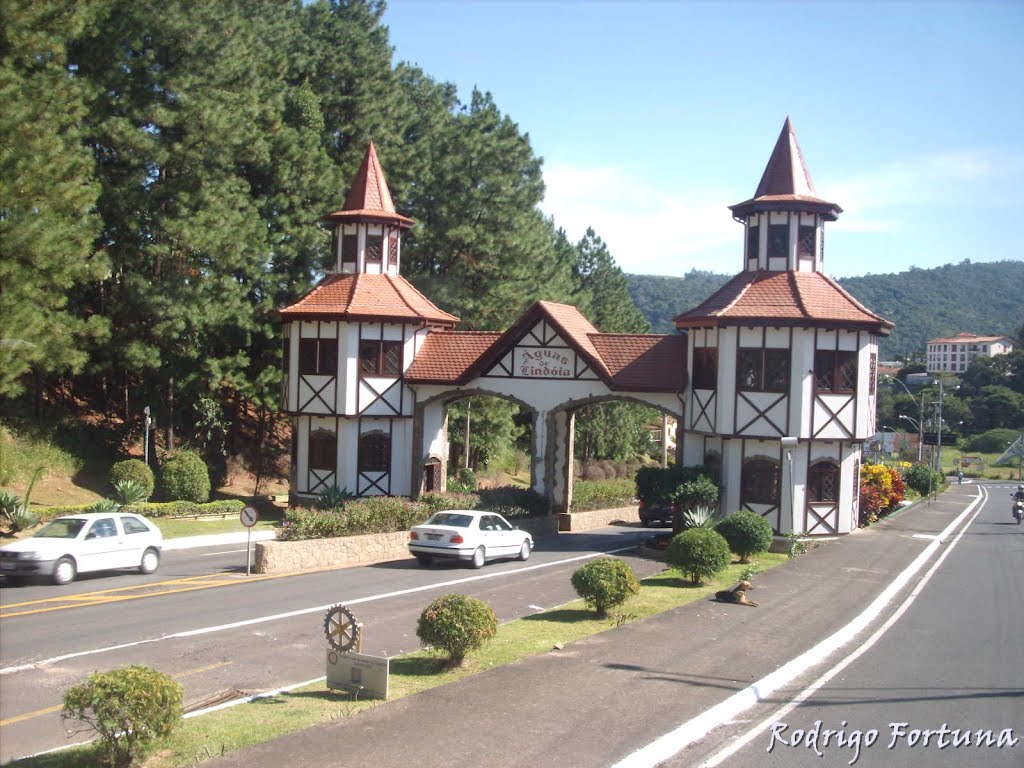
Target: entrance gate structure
(551, 362)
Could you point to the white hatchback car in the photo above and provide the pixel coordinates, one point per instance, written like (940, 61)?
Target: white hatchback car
(92, 541)
(468, 535)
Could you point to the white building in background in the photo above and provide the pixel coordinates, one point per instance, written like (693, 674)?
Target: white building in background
(954, 354)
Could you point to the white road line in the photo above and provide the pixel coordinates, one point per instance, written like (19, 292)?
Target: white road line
(698, 727)
(303, 611)
(719, 757)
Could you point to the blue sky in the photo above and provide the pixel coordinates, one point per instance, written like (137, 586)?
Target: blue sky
(652, 117)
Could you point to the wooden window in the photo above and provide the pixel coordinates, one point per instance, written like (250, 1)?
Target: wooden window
(375, 452)
(835, 371)
(380, 358)
(823, 482)
(753, 242)
(705, 368)
(760, 482)
(374, 248)
(762, 370)
(393, 250)
(349, 249)
(318, 357)
(323, 450)
(778, 241)
(805, 244)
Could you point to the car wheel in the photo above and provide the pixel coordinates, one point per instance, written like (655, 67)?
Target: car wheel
(524, 551)
(645, 522)
(150, 561)
(64, 571)
(479, 558)
(424, 560)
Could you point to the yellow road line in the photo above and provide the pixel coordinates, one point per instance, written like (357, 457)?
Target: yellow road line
(83, 601)
(59, 707)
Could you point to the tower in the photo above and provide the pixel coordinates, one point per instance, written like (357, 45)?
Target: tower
(347, 346)
(783, 364)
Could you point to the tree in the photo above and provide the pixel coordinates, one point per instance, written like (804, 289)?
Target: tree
(997, 407)
(48, 192)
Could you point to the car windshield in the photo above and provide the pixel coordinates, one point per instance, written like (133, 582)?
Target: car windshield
(451, 518)
(62, 528)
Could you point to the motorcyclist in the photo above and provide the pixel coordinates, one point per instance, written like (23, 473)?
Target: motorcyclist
(1018, 496)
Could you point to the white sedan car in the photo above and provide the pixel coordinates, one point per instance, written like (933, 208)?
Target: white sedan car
(468, 535)
(92, 541)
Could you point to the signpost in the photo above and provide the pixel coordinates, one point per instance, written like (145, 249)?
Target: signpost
(347, 668)
(249, 517)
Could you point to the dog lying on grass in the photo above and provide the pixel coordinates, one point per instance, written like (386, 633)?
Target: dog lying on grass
(737, 594)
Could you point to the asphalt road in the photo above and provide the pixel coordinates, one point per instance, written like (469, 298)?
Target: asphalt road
(953, 660)
(224, 635)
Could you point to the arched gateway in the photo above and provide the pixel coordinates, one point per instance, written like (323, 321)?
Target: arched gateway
(781, 393)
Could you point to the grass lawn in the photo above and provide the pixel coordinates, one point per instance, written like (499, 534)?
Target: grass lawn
(173, 528)
(208, 736)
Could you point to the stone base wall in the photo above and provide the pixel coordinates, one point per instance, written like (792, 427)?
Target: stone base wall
(596, 518)
(274, 557)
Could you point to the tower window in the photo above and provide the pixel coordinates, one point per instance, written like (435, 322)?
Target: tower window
(705, 368)
(318, 357)
(323, 450)
(349, 249)
(393, 250)
(835, 370)
(380, 358)
(762, 370)
(805, 249)
(374, 248)
(753, 241)
(375, 452)
(778, 241)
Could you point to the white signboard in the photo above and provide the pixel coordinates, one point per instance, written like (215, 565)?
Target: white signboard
(359, 674)
(544, 363)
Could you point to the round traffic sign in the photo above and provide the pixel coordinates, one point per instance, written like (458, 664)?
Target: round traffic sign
(249, 517)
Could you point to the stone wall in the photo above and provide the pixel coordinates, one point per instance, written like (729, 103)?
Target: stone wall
(273, 557)
(596, 518)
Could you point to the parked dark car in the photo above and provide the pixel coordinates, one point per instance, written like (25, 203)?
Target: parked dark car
(661, 514)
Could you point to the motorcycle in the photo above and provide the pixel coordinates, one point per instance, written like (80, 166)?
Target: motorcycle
(1018, 509)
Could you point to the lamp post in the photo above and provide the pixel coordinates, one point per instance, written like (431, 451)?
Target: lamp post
(938, 453)
(145, 445)
(920, 421)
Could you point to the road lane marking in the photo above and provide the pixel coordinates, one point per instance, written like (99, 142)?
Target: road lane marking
(695, 729)
(304, 611)
(59, 707)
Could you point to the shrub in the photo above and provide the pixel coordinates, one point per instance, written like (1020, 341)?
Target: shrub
(601, 494)
(129, 493)
(334, 498)
(136, 471)
(129, 708)
(922, 478)
(699, 552)
(604, 583)
(374, 514)
(169, 509)
(457, 624)
(512, 501)
(593, 470)
(184, 476)
(701, 491)
(993, 441)
(701, 517)
(463, 480)
(747, 533)
(435, 502)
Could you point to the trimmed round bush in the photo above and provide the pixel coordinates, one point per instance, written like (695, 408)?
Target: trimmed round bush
(130, 708)
(604, 583)
(135, 470)
(457, 624)
(184, 476)
(700, 553)
(747, 533)
(922, 479)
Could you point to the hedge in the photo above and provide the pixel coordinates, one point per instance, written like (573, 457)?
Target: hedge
(226, 507)
(602, 494)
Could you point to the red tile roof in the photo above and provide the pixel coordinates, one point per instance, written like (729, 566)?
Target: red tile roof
(369, 197)
(786, 183)
(627, 362)
(783, 298)
(446, 356)
(375, 298)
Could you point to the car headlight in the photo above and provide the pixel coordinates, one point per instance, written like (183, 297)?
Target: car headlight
(31, 555)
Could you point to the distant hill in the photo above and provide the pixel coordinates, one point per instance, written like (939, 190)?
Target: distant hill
(985, 298)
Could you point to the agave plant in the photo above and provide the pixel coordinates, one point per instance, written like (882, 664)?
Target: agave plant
(129, 492)
(334, 498)
(17, 512)
(701, 517)
(105, 507)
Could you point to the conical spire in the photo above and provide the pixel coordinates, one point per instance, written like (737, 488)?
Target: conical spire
(369, 198)
(786, 183)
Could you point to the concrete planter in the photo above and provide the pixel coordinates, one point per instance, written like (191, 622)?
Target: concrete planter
(596, 518)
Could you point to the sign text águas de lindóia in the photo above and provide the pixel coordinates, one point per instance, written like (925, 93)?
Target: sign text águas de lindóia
(545, 363)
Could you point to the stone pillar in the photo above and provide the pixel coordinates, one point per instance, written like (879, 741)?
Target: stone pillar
(558, 460)
(538, 447)
(429, 440)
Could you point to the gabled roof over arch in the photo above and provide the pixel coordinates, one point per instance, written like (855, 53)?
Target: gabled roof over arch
(623, 361)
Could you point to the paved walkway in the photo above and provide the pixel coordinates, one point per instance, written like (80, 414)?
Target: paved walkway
(596, 701)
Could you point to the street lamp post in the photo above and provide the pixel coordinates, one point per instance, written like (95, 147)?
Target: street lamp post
(920, 422)
(938, 452)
